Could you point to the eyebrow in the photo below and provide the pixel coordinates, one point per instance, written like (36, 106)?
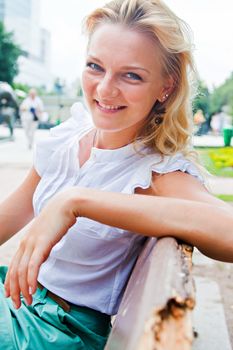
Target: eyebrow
(124, 67)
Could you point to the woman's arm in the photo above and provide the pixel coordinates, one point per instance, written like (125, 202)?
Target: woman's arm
(182, 208)
(196, 217)
(16, 210)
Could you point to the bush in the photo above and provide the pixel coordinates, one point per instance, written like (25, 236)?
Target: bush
(218, 161)
(222, 158)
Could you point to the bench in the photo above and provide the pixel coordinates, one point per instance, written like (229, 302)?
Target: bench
(155, 312)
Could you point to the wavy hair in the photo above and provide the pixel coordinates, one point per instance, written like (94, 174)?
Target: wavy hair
(168, 127)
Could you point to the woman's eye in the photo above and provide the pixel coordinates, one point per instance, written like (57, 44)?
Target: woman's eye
(133, 76)
(94, 66)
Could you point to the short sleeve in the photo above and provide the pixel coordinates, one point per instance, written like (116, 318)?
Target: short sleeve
(78, 123)
(178, 163)
(162, 165)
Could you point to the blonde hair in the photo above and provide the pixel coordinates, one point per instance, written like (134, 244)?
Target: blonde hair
(172, 35)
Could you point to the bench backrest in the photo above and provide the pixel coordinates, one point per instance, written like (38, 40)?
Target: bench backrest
(155, 312)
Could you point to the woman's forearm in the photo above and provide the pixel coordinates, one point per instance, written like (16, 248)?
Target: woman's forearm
(204, 225)
(11, 221)
(208, 227)
(16, 210)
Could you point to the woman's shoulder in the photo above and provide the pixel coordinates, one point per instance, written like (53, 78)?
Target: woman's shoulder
(178, 162)
(162, 164)
(159, 164)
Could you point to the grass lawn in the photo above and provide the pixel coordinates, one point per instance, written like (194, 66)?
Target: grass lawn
(218, 161)
(226, 197)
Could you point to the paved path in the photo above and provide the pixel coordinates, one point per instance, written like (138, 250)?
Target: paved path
(209, 141)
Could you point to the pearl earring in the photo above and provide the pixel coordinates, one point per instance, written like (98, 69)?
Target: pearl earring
(165, 97)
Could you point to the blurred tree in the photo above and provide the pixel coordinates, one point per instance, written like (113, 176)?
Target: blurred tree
(21, 86)
(9, 53)
(202, 100)
(25, 88)
(222, 96)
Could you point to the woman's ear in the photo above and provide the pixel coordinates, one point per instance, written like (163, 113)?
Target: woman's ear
(167, 89)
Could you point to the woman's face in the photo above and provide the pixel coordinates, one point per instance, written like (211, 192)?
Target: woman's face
(122, 79)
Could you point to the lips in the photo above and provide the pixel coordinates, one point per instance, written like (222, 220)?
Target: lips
(108, 107)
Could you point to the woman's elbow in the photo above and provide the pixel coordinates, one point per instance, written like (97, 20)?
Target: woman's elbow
(221, 249)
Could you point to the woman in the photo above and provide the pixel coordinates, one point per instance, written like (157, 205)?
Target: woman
(101, 185)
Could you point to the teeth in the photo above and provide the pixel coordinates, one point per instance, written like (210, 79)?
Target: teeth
(108, 106)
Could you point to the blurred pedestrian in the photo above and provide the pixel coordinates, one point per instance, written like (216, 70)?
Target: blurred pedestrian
(30, 112)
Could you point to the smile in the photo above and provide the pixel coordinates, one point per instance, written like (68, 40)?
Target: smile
(108, 107)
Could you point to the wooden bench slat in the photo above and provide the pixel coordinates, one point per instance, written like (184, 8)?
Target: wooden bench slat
(155, 312)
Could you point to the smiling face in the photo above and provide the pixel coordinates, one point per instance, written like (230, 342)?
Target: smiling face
(122, 79)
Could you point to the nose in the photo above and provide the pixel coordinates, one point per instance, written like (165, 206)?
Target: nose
(107, 87)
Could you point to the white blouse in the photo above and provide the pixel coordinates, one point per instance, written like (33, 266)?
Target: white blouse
(91, 264)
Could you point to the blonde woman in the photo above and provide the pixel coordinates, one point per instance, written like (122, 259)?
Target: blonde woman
(105, 180)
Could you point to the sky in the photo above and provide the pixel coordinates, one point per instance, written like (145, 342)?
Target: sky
(210, 20)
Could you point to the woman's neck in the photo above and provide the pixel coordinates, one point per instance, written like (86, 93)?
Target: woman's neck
(111, 140)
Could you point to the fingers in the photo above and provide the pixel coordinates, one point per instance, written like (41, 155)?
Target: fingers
(11, 284)
(23, 272)
(17, 277)
(15, 290)
(36, 261)
(44, 232)
(23, 279)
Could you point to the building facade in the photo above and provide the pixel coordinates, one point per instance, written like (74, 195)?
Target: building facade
(22, 17)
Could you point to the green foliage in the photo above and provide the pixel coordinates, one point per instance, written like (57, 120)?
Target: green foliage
(218, 161)
(222, 158)
(20, 86)
(9, 53)
(225, 197)
(214, 102)
(25, 88)
(202, 100)
(222, 96)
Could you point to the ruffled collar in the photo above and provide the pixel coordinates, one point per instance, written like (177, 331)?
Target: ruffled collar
(116, 154)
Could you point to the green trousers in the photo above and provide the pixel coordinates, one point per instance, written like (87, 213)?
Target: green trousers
(44, 325)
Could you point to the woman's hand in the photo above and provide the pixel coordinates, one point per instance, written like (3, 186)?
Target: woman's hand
(42, 234)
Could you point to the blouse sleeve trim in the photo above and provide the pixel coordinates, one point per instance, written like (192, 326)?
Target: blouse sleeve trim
(168, 164)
